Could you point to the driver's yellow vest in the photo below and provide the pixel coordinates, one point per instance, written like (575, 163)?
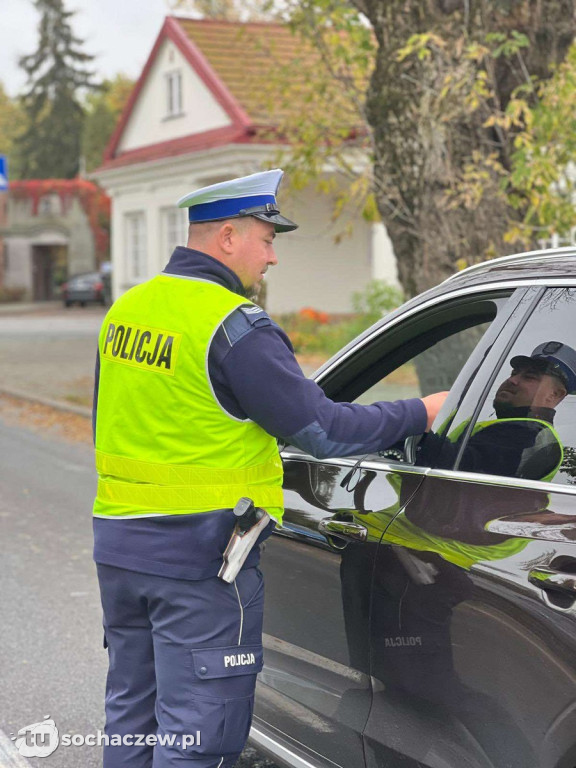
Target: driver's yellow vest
(398, 529)
(164, 445)
(547, 437)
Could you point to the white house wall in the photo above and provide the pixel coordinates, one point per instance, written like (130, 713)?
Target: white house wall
(150, 200)
(314, 271)
(81, 247)
(18, 273)
(149, 122)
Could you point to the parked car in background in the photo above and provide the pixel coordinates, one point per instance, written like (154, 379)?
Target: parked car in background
(85, 288)
(421, 602)
(106, 273)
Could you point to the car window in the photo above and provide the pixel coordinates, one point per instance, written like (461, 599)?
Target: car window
(436, 347)
(433, 370)
(421, 352)
(526, 427)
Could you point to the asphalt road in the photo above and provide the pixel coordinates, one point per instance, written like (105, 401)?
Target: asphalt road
(52, 660)
(50, 352)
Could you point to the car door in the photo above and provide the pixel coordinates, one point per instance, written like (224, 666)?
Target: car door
(473, 614)
(315, 692)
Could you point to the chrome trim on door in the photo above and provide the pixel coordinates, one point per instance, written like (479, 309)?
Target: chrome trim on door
(384, 466)
(278, 751)
(345, 462)
(443, 474)
(515, 482)
(368, 463)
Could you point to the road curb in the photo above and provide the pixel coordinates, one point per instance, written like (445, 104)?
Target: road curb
(12, 308)
(79, 410)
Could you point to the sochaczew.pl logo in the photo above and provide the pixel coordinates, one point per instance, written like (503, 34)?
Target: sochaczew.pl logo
(38, 739)
(42, 739)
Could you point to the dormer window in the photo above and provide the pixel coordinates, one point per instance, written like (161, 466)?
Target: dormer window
(174, 93)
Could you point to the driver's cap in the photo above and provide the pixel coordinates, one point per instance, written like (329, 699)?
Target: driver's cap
(555, 359)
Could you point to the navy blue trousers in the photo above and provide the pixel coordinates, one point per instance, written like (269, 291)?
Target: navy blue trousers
(183, 659)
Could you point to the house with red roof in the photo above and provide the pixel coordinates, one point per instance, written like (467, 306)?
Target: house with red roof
(196, 117)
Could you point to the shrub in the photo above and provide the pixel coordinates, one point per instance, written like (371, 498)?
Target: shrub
(376, 299)
(314, 333)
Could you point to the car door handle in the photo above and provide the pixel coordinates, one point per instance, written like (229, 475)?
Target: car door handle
(556, 581)
(547, 525)
(343, 529)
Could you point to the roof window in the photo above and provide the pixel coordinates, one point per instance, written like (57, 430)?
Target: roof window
(174, 93)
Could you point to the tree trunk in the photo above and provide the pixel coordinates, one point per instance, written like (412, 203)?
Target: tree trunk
(421, 152)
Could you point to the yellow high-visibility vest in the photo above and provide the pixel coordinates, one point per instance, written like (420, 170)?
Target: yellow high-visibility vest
(164, 444)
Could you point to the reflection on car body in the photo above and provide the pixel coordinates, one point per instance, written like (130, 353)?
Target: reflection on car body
(421, 604)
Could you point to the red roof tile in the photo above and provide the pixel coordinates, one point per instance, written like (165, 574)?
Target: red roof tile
(245, 57)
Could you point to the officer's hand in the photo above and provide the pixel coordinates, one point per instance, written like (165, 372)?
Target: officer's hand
(433, 403)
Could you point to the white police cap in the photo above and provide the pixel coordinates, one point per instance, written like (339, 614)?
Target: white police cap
(253, 195)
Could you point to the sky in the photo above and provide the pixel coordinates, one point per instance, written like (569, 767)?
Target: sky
(119, 33)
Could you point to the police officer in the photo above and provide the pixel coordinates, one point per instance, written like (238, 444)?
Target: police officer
(521, 441)
(194, 383)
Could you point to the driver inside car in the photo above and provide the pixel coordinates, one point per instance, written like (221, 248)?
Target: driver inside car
(521, 441)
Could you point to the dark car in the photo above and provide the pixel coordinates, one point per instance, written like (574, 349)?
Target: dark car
(85, 288)
(421, 602)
